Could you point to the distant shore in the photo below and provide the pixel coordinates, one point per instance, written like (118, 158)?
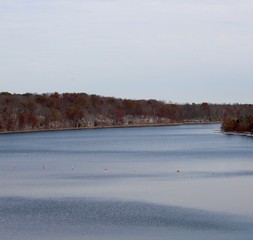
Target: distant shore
(111, 126)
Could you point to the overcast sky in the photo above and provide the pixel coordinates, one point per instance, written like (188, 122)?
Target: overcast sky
(173, 50)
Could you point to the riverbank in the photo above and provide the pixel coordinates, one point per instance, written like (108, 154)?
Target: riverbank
(112, 126)
(246, 134)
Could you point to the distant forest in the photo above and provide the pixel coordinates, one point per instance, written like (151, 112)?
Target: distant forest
(29, 112)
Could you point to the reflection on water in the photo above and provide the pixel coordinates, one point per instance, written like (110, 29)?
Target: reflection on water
(184, 182)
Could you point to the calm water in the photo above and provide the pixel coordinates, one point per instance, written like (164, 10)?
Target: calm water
(182, 182)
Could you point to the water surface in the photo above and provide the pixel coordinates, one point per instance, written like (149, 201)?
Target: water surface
(186, 182)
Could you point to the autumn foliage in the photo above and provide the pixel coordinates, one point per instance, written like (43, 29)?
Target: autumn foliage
(240, 125)
(24, 112)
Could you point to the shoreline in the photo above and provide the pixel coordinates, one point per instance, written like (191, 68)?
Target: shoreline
(245, 134)
(108, 127)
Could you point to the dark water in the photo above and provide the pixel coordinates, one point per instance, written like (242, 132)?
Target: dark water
(183, 182)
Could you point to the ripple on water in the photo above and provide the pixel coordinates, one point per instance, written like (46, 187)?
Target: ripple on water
(99, 219)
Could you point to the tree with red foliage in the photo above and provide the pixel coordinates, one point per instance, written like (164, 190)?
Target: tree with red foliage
(75, 114)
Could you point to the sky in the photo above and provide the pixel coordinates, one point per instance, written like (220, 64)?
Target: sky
(180, 51)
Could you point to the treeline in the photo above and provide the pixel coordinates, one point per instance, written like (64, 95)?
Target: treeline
(241, 125)
(24, 112)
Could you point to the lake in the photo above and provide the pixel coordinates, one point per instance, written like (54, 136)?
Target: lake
(177, 182)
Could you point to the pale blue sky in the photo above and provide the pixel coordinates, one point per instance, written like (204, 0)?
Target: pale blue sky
(173, 50)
